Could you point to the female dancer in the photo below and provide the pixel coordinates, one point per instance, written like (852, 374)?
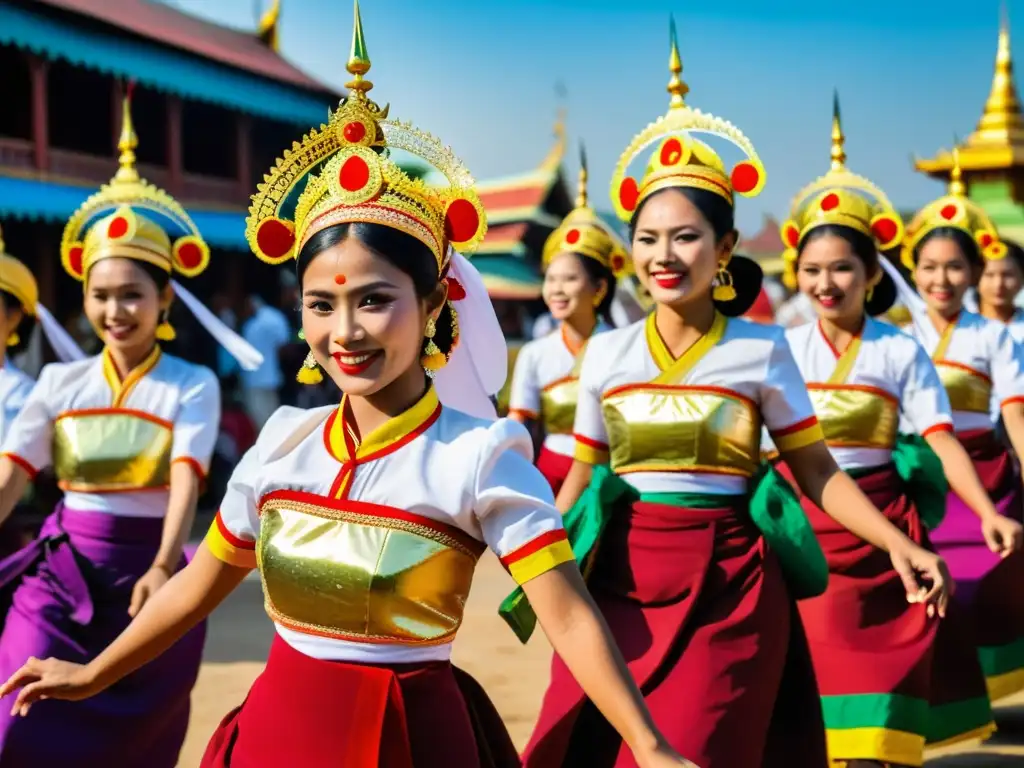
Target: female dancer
(129, 434)
(582, 262)
(874, 655)
(947, 244)
(1000, 283)
(697, 602)
(391, 495)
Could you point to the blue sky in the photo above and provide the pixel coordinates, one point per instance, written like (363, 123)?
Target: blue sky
(482, 76)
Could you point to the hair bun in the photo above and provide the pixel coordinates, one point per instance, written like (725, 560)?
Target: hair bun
(747, 278)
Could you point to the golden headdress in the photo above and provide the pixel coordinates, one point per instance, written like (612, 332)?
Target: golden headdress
(681, 160)
(583, 232)
(342, 173)
(17, 280)
(839, 197)
(954, 210)
(131, 218)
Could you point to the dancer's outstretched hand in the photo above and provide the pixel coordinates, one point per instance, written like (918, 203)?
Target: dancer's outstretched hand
(663, 757)
(915, 564)
(1002, 535)
(49, 679)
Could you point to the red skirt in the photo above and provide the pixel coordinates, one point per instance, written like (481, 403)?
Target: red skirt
(306, 712)
(555, 467)
(701, 613)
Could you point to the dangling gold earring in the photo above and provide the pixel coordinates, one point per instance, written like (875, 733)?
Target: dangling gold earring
(165, 331)
(724, 289)
(433, 358)
(598, 298)
(13, 339)
(309, 373)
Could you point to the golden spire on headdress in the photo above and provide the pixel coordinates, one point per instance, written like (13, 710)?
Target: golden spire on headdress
(268, 26)
(358, 63)
(838, 139)
(676, 87)
(581, 191)
(1001, 121)
(126, 144)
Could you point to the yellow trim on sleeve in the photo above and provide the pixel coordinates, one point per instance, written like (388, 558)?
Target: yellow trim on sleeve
(589, 454)
(799, 439)
(227, 552)
(541, 561)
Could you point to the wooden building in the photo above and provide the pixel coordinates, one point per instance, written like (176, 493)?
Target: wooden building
(213, 108)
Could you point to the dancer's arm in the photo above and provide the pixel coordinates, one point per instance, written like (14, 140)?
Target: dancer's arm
(821, 480)
(579, 635)
(575, 484)
(181, 512)
(14, 479)
(189, 597)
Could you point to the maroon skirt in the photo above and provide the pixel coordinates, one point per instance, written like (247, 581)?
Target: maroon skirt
(700, 611)
(306, 712)
(555, 468)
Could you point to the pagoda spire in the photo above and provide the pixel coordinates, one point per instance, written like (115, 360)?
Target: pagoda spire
(1001, 122)
(267, 31)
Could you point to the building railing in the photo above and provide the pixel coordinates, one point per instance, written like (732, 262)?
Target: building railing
(79, 167)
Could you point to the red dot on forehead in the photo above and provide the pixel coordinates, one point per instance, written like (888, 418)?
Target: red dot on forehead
(339, 279)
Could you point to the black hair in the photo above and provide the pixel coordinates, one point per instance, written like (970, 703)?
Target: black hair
(968, 247)
(25, 326)
(596, 272)
(400, 250)
(747, 275)
(884, 294)
(1015, 252)
(158, 275)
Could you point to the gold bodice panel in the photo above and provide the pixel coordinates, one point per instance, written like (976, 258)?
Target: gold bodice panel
(968, 389)
(855, 417)
(654, 428)
(558, 406)
(362, 572)
(109, 450)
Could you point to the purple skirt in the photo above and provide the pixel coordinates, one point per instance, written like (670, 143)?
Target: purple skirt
(67, 596)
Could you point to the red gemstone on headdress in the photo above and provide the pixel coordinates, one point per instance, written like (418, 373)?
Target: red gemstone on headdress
(671, 151)
(985, 240)
(75, 259)
(792, 236)
(830, 201)
(572, 236)
(885, 230)
(354, 174)
(190, 255)
(461, 221)
(629, 193)
(354, 132)
(455, 290)
(745, 177)
(274, 238)
(617, 263)
(118, 227)
(949, 212)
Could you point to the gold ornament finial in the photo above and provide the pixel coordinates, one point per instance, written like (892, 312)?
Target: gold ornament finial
(1001, 122)
(676, 87)
(581, 192)
(127, 143)
(268, 26)
(553, 159)
(359, 60)
(956, 184)
(838, 153)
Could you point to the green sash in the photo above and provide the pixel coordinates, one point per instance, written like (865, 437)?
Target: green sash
(774, 508)
(921, 471)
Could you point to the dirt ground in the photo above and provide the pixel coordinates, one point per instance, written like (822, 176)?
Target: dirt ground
(515, 676)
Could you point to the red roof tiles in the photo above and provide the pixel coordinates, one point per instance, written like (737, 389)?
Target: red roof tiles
(168, 26)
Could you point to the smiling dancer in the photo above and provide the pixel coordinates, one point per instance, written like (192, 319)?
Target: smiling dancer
(701, 552)
(582, 262)
(947, 245)
(129, 435)
(874, 654)
(391, 495)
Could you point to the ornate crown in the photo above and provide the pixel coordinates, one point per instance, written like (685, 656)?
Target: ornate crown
(839, 197)
(583, 232)
(954, 210)
(681, 160)
(17, 280)
(131, 218)
(342, 173)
